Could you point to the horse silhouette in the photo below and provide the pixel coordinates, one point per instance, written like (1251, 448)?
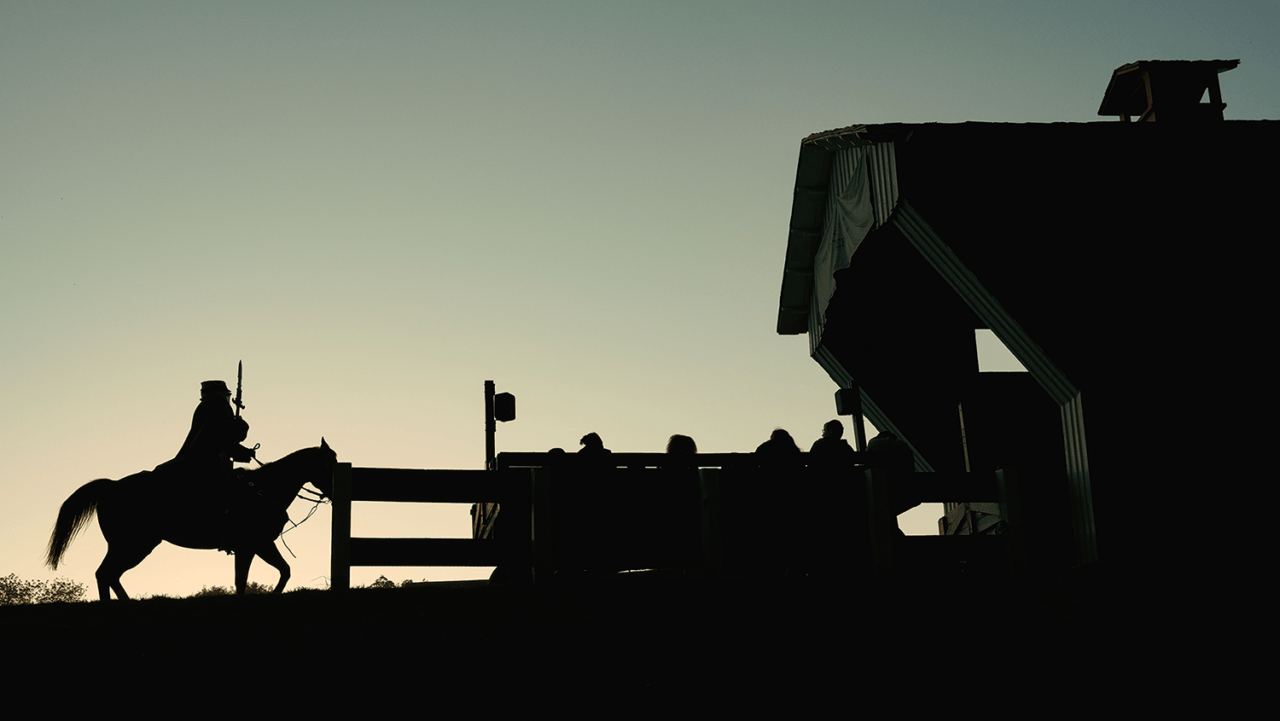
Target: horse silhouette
(136, 513)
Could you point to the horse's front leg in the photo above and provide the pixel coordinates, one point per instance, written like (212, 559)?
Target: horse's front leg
(244, 557)
(269, 553)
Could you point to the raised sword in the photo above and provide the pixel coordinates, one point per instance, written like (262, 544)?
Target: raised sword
(239, 402)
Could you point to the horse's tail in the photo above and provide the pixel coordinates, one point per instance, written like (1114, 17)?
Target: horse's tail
(74, 515)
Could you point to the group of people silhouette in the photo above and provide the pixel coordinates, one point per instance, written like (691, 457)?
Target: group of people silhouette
(830, 447)
(592, 445)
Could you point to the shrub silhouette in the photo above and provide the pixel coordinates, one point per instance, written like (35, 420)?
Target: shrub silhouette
(14, 591)
(252, 587)
(384, 582)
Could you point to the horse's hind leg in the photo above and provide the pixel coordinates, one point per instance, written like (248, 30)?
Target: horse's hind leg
(120, 558)
(269, 553)
(105, 582)
(244, 558)
(108, 575)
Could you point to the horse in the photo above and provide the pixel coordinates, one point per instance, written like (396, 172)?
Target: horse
(136, 513)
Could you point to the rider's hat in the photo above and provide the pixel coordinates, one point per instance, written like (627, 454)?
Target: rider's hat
(209, 388)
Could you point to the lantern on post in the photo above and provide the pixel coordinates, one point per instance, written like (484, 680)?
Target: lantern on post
(497, 407)
(849, 403)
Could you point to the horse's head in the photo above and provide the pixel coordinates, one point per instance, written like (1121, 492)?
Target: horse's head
(309, 465)
(324, 479)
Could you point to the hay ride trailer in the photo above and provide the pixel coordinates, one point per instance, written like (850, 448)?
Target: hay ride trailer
(727, 513)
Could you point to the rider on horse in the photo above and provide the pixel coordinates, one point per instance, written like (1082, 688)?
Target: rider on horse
(214, 439)
(211, 445)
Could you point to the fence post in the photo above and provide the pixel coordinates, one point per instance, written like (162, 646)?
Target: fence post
(340, 546)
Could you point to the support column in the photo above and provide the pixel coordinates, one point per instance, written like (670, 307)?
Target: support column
(340, 544)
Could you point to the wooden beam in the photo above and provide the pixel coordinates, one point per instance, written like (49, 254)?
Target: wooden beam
(426, 552)
(412, 485)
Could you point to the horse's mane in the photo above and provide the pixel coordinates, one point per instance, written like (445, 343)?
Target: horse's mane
(289, 460)
(286, 461)
(300, 461)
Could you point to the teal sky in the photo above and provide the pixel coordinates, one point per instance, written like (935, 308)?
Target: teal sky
(378, 206)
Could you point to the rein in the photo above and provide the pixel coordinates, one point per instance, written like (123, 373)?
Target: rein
(319, 495)
(319, 498)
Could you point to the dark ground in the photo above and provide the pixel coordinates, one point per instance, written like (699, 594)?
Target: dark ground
(644, 637)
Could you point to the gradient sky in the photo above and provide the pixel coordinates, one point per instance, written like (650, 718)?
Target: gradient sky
(380, 205)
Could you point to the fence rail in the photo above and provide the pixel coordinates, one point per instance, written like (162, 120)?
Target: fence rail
(400, 485)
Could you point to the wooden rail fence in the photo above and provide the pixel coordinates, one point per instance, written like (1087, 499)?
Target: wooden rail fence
(510, 488)
(539, 513)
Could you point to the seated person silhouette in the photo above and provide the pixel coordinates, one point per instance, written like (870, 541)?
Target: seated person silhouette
(681, 445)
(592, 445)
(831, 449)
(779, 450)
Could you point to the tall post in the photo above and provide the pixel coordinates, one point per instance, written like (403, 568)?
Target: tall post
(490, 427)
(849, 403)
(340, 545)
(859, 433)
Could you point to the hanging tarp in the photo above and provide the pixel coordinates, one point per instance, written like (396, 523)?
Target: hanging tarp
(850, 216)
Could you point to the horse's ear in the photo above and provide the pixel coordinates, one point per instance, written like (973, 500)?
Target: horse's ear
(323, 446)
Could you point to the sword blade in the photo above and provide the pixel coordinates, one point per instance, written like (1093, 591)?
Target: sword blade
(239, 387)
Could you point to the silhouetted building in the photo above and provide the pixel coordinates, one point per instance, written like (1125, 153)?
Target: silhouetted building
(1178, 85)
(1118, 261)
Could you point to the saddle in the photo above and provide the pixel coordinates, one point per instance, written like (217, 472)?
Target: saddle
(247, 515)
